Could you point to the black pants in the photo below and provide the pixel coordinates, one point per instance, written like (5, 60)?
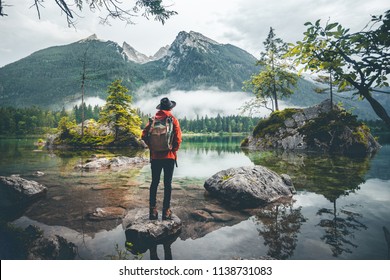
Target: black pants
(157, 166)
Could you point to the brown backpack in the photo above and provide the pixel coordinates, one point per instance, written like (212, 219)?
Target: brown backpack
(160, 135)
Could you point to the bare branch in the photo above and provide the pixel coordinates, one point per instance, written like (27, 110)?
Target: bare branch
(38, 3)
(2, 5)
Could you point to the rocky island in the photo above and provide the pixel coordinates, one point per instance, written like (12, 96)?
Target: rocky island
(323, 127)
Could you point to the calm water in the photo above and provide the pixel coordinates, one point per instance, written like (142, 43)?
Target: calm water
(339, 211)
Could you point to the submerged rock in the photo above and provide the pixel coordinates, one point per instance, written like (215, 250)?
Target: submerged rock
(323, 128)
(15, 189)
(107, 213)
(138, 227)
(95, 163)
(249, 186)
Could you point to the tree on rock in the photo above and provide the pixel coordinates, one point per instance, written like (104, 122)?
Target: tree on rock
(118, 113)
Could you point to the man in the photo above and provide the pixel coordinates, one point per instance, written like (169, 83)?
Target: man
(162, 160)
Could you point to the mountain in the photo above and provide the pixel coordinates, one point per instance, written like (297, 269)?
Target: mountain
(194, 60)
(52, 77)
(137, 57)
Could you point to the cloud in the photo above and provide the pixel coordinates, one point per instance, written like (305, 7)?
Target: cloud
(247, 24)
(200, 103)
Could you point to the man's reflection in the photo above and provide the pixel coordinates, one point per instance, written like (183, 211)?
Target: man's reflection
(140, 247)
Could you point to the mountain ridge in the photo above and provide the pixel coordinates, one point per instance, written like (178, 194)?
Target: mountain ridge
(53, 75)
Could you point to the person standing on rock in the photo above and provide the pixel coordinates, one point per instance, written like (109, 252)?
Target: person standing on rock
(163, 136)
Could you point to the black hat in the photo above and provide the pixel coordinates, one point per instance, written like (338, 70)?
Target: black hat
(166, 104)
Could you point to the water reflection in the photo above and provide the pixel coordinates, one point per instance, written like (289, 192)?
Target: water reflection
(280, 225)
(138, 246)
(330, 176)
(340, 211)
(340, 228)
(219, 144)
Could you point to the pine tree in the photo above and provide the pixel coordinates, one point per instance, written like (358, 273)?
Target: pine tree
(274, 80)
(118, 114)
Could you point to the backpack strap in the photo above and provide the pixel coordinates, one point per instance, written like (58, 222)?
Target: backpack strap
(153, 121)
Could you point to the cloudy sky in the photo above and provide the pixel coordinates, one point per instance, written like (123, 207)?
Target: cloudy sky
(244, 23)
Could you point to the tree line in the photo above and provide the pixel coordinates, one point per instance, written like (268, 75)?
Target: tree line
(38, 121)
(28, 121)
(218, 124)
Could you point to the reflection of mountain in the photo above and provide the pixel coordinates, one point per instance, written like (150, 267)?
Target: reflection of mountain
(331, 176)
(340, 227)
(280, 225)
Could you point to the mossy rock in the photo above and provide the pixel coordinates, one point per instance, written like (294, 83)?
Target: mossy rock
(322, 128)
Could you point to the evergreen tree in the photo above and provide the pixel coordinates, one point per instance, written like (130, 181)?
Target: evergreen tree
(118, 114)
(274, 80)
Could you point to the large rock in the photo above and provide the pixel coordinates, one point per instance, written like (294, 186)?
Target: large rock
(16, 190)
(138, 227)
(249, 186)
(323, 128)
(96, 163)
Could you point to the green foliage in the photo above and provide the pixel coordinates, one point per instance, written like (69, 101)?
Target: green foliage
(117, 112)
(274, 81)
(27, 121)
(360, 60)
(89, 112)
(226, 124)
(119, 124)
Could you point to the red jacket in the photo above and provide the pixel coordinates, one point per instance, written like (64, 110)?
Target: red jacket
(162, 114)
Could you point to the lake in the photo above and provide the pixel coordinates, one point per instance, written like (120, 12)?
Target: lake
(340, 210)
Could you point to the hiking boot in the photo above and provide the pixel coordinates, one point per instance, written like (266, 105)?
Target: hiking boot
(167, 214)
(153, 214)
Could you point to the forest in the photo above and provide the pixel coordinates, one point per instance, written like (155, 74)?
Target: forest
(38, 121)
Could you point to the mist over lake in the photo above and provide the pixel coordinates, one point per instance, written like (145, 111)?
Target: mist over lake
(190, 104)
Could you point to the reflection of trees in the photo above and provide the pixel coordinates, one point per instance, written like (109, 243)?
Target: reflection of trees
(220, 144)
(280, 227)
(331, 176)
(339, 228)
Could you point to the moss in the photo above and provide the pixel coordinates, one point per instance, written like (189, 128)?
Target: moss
(274, 122)
(329, 128)
(245, 142)
(226, 177)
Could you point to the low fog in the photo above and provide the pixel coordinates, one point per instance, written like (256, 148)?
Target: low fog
(200, 103)
(191, 104)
